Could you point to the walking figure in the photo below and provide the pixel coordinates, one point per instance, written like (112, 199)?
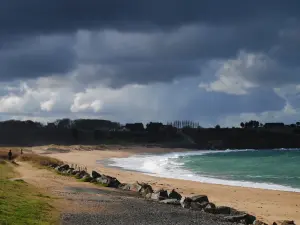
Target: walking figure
(21, 151)
(9, 155)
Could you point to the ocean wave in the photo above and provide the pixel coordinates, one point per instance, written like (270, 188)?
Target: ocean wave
(166, 166)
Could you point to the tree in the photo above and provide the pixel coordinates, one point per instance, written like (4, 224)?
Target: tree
(135, 126)
(75, 133)
(298, 124)
(154, 127)
(218, 126)
(242, 125)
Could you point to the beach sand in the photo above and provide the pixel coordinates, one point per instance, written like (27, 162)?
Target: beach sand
(266, 205)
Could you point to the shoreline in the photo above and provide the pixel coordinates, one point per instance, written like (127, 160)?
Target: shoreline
(267, 205)
(198, 178)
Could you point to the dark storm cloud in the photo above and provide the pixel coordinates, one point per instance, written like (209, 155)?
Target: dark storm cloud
(183, 36)
(40, 16)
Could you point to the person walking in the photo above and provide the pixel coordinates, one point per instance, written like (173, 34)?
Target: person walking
(9, 155)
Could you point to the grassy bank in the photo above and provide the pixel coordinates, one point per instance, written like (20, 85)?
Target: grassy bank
(21, 203)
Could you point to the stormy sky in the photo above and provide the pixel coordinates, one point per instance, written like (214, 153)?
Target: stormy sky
(211, 61)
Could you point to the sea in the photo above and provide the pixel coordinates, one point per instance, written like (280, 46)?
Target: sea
(277, 169)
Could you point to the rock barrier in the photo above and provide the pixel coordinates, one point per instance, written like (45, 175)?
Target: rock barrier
(172, 197)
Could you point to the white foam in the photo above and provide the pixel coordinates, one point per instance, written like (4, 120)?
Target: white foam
(164, 166)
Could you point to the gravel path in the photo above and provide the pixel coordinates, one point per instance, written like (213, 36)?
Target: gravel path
(88, 204)
(122, 208)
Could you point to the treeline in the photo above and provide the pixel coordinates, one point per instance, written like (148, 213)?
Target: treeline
(188, 134)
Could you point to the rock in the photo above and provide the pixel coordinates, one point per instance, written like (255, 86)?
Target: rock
(64, 167)
(80, 174)
(186, 202)
(95, 174)
(171, 201)
(210, 205)
(148, 196)
(199, 198)
(108, 181)
(145, 189)
(58, 169)
(245, 218)
(174, 194)
(86, 178)
(198, 205)
(69, 171)
(218, 210)
(74, 172)
(258, 222)
(159, 195)
(54, 165)
(132, 187)
(17, 180)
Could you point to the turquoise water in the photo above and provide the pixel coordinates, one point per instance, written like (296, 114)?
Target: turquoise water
(267, 166)
(267, 169)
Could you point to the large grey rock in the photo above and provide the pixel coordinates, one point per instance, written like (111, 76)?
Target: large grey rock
(74, 172)
(171, 201)
(70, 170)
(198, 205)
(95, 174)
(159, 195)
(144, 188)
(132, 187)
(174, 194)
(148, 196)
(53, 165)
(199, 198)
(64, 167)
(108, 181)
(186, 202)
(86, 178)
(80, 174)
(218, 210)
(245, 218)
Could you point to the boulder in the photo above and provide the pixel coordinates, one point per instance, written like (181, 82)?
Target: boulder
(80, 174)
(145, 189)
(210, 205)
(218, 210)
(58, 169)
(86, 178)
(159, 195)
(69, 171)
(200, 198)
(186, 202)
(174, 194)
(245, 218)
(64, 167)
(198, 205)
(170, 201)
(132, 187)
(108, 181)
(148, 196)
(258, 222)
(54, 165)
(95, 174)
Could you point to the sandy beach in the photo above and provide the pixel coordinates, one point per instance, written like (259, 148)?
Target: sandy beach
(266, 205)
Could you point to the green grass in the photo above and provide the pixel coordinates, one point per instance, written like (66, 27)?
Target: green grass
(21, 203)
